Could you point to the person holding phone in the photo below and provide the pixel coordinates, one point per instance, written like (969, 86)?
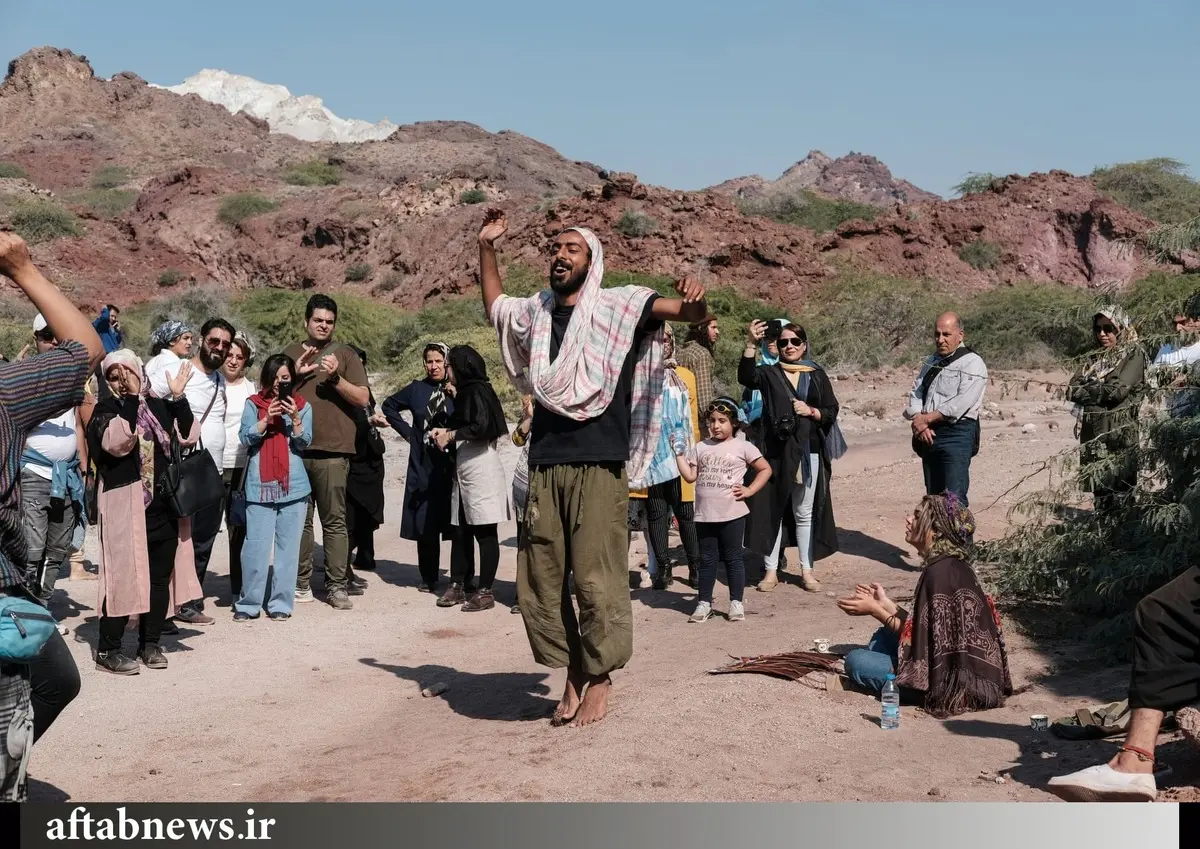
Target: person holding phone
(276, 429)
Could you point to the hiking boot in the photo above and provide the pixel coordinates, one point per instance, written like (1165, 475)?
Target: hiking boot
(304, 596)
(808, 582)
(452, 597)
(482, 600)
(354, 589)
(339, 600)
(1104, 784)
(769, 582)
(189, 616)
(356, 581)
(153, 657)
(663, 580)
(737, 611)
(703, 612)
(116, 663)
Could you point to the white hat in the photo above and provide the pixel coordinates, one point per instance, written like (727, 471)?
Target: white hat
(39, 323)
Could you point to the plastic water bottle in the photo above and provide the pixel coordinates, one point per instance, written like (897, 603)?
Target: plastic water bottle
(889, 717)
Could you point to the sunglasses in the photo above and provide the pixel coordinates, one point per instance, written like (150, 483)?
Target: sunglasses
(44, 336)
(790, 342)
(1104, 328)
(218, 344)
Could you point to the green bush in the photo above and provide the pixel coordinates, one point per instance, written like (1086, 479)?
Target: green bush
(635, 224)
(110, 177)
(1160, 189)
(108, 203)
(473, 196)
(1028, 325)
(235, 209)
(809, 210)
(359, 272)
(975, 183)
(171, 277)
(313, 173)
(390, 283)
(39, 220)
(980, 255)
(11, 170)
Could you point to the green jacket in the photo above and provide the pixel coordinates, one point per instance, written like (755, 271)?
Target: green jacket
(1110, 405)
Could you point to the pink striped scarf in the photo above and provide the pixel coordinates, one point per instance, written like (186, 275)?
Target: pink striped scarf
(582, 380)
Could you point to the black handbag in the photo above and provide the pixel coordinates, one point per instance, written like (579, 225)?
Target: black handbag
(192, 482)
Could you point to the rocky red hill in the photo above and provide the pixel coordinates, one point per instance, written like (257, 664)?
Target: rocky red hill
(400, 207)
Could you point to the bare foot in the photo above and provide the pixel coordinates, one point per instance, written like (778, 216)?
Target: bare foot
(572, 693)
(595, 701)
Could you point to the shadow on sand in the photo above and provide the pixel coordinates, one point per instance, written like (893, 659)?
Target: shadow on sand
(502, 696)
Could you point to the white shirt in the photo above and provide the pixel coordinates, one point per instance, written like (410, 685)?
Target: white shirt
(199, 392)
(55, 440)
(236, 396)
(158, 365)
(957, 391)
(1179, 402)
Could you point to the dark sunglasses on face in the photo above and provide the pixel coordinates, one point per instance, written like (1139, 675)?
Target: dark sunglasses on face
(1104, 328)
(790, 342)
(44, 337)
(218, 344)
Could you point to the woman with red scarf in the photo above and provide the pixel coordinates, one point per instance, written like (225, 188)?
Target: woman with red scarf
(276, 428)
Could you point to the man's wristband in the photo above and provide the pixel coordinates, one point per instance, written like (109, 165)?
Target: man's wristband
(333, 379)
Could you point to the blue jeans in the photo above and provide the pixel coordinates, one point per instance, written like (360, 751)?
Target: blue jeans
(271, 525)
(947, 463)
(869, 668)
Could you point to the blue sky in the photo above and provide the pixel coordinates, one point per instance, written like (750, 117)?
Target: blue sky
(687, 95)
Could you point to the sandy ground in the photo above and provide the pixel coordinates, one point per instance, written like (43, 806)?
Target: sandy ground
(328, 706)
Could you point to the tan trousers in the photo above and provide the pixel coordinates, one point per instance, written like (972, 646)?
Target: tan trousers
(576, 523)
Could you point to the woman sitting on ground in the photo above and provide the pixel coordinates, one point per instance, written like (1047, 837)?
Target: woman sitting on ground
(1106, 392)
(949, 651)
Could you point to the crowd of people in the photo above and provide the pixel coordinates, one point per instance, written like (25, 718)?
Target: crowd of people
(620, 433)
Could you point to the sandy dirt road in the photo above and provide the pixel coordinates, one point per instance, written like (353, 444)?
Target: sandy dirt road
(328, 706)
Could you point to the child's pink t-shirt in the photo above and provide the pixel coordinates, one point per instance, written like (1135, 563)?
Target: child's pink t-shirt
(720, 466)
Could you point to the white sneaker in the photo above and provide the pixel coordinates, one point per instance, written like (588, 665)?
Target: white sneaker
(737, 611)
(303, 596)
(646, 582)
(703, 612)
(1104, 784)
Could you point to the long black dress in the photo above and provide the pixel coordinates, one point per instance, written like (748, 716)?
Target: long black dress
(430, 476)
(364, 489)
(773, 504)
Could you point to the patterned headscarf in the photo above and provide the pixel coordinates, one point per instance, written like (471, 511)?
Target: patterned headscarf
(581, 382)
(149, 428)
(953, 526)
(1105, 361)
(240, 338)
(435, 410)
(168, 332)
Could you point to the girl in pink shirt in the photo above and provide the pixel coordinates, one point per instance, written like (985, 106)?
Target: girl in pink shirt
(718, 468)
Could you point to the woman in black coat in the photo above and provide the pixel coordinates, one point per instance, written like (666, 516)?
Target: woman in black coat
(430, 476)
(364, 484)
(799, 421)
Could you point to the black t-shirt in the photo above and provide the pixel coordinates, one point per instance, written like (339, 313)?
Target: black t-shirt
(557, 440)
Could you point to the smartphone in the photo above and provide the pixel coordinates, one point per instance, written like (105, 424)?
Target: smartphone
(774, 329)
(285, 391)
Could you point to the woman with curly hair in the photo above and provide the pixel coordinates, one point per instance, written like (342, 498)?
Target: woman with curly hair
(948, 654)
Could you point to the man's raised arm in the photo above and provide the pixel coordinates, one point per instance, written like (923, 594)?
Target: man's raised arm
(495, 225)
(689, 306)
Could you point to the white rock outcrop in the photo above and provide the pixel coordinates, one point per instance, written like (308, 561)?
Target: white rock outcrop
(304, 117)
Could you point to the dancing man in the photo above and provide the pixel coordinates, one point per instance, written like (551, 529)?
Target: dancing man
(595, 370)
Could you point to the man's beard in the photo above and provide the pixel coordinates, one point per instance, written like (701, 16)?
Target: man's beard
(212, 361)
(571, 285)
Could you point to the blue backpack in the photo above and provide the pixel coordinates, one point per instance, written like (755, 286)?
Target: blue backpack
(25, 626)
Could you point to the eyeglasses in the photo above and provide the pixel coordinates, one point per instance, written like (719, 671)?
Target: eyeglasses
(1104, 328)
(218, 344)
(235, 355)
(790, 342)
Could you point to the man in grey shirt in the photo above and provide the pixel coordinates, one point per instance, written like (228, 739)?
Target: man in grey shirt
(944, 406)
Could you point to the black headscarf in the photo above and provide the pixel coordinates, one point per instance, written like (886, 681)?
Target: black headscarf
(477, 409)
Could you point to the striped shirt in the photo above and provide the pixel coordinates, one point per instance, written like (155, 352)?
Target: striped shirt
(31, 391)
